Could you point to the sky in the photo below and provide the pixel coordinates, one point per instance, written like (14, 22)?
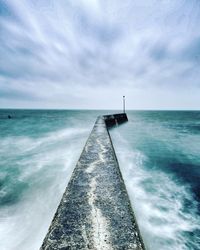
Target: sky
(87, 54)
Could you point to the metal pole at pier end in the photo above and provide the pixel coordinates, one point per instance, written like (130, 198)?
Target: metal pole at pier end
(123, 103)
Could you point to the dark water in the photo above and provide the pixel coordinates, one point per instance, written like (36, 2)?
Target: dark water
(158, 154)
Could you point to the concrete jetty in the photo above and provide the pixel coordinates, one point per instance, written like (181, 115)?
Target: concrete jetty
(95, 210)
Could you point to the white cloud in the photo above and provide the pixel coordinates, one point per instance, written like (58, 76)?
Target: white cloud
(75, 53)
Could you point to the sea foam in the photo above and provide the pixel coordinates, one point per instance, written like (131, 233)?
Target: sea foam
(159, 200)
(43, 166)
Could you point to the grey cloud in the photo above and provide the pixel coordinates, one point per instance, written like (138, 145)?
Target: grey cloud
(159, 52)
(192, 51)
(66, 45)
(14, 94)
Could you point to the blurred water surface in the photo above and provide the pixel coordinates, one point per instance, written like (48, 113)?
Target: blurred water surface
(158, 152)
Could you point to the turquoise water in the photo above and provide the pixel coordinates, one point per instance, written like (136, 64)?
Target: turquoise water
(158, 154)
(159, 157)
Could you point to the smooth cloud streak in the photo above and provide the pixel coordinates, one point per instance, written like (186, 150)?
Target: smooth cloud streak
(79, 54)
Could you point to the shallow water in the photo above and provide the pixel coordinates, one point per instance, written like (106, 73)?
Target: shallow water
(158, 154)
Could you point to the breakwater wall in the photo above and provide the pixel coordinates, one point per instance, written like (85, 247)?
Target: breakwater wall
(95, 210)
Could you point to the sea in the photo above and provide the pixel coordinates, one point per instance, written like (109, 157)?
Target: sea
(158, 154)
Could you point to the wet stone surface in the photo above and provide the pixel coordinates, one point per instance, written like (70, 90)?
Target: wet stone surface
(95, 211)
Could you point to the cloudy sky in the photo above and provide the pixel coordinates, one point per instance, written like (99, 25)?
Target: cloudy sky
(88, 53)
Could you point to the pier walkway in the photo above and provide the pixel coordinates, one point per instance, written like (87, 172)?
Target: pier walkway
(95, 211)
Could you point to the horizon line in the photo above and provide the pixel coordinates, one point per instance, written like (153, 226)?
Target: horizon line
(82, 109)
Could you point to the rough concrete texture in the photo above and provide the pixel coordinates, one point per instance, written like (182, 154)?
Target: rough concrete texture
(95, 211)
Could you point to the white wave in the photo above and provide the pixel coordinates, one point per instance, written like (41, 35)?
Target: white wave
(24, 143)
(45, 164)
(158, 200)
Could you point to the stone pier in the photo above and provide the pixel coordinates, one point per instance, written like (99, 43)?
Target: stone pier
(95, 210)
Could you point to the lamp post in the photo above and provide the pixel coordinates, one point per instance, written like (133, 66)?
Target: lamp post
(123, 103)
